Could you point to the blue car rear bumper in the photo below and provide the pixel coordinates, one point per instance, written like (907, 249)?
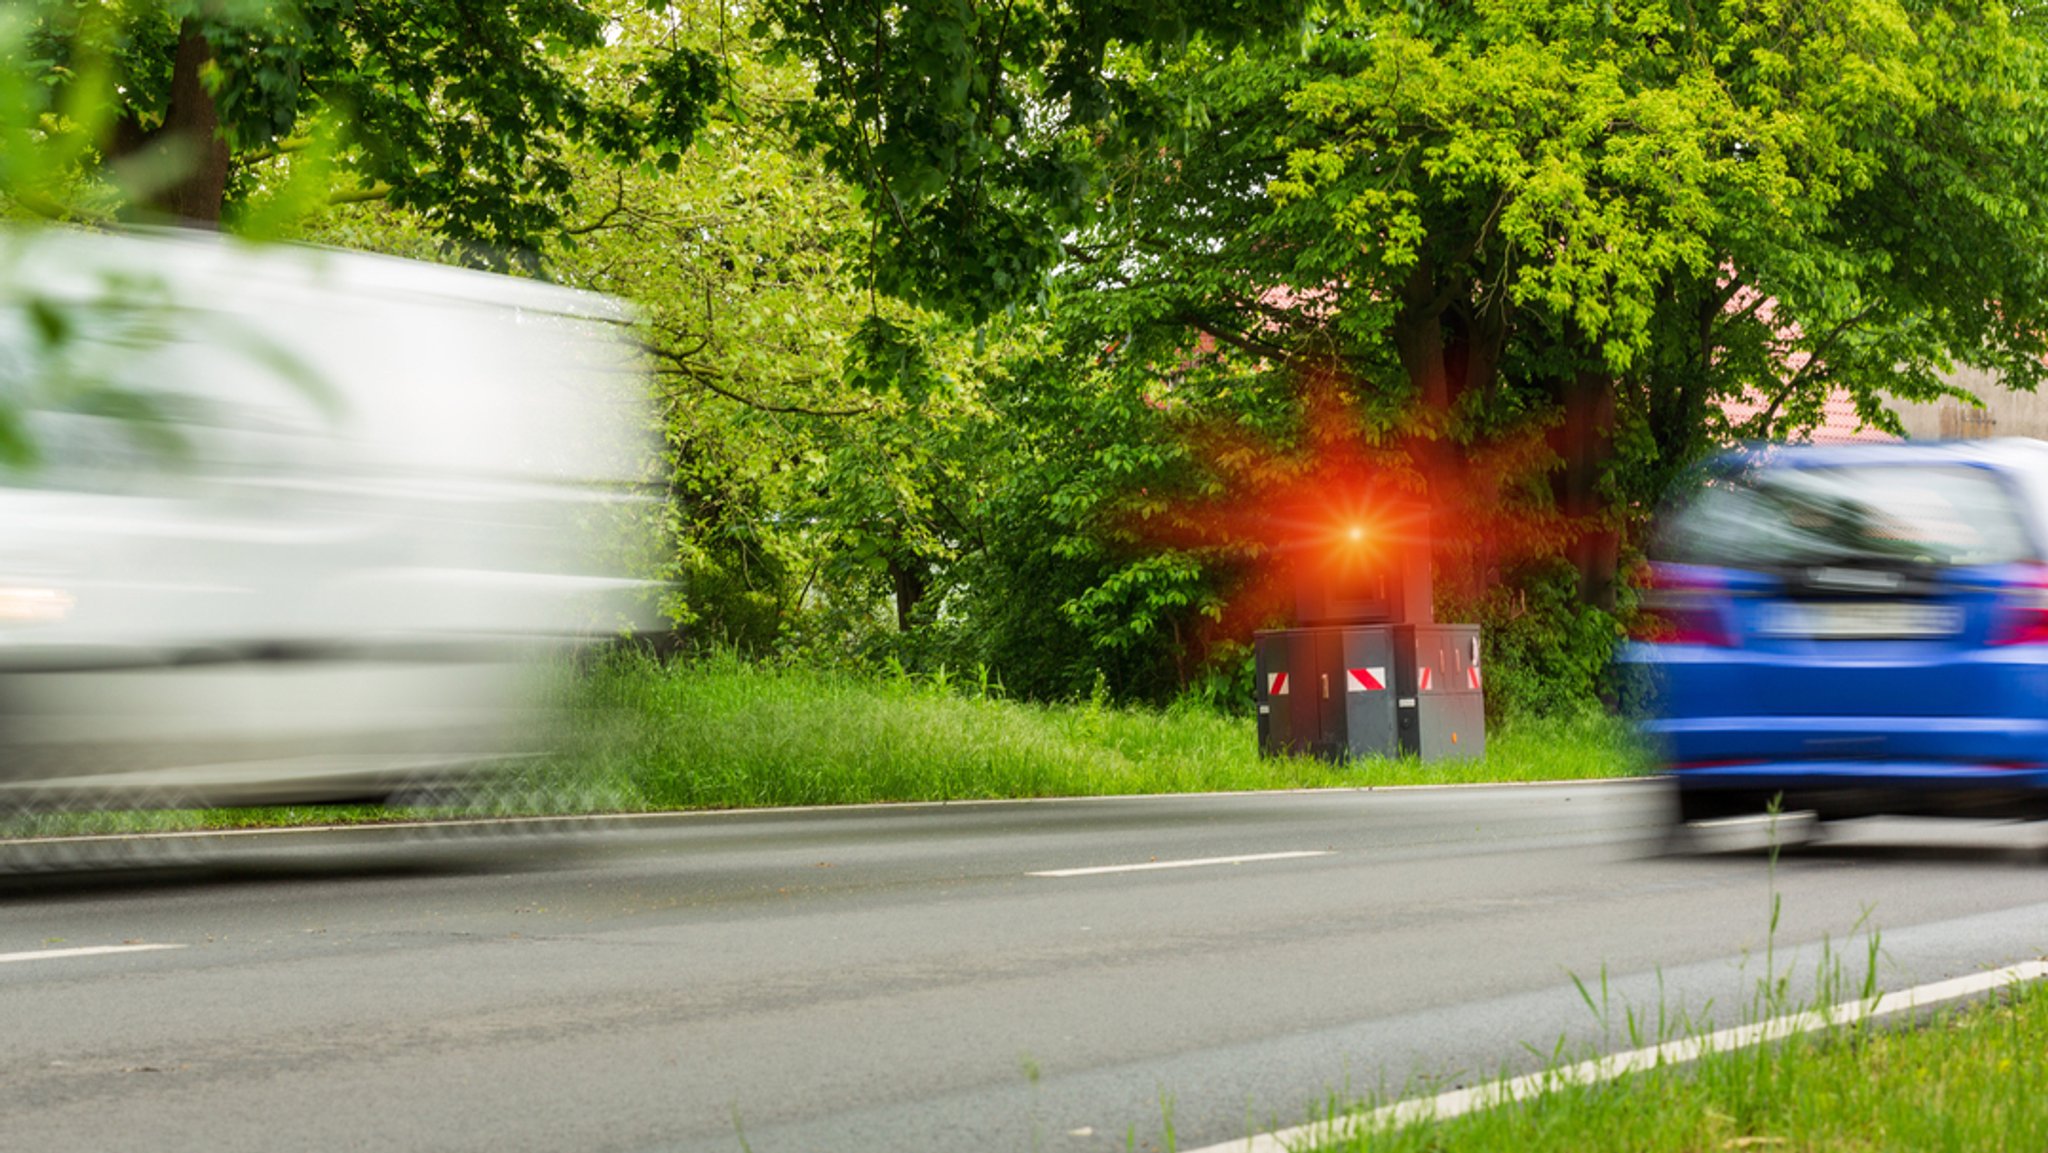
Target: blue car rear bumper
(2001, 742)
(1844, 789)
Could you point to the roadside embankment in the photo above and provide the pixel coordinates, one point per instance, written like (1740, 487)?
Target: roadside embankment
(640, 736)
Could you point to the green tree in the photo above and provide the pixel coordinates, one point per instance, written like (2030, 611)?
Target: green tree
(976, 131)
(823, 483)
(1687, 199)
(1532, 247)
(459, 110)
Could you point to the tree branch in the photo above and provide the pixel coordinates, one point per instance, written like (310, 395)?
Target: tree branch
(795, 409)
(1813, 358)
(282, 148)
(1236, 340)
(360, 195)
(605, 218)
(683, 367)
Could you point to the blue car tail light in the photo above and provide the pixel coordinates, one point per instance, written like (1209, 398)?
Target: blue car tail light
(2024, 604)
(1684, 605)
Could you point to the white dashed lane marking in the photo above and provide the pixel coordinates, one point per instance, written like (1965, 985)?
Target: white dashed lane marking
(1149, 865)
(86, 951)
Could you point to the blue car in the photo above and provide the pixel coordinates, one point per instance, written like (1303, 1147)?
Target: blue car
(1852, 631)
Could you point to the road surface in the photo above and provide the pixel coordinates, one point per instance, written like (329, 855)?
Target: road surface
(979, 977)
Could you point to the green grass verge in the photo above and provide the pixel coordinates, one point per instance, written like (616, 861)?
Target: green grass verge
(1969, 1079)
(729, 734)
(723, 733)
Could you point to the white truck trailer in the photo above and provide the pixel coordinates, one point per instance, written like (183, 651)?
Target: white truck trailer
(302, 525)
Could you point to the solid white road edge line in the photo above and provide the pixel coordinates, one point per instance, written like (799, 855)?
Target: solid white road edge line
(1139, 868)
(86, 951)
(1458, 1102)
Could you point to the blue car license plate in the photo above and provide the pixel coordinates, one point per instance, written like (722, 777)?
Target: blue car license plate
(1859, 620)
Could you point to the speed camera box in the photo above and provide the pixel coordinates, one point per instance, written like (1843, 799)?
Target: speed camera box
(1371, 690)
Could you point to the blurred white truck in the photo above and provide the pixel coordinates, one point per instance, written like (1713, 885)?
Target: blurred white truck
(303, 524)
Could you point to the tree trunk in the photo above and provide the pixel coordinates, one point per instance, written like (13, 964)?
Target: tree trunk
(1419, 338)
(910, 584)
(191, 138)
(1586, 442)
(1448, 350)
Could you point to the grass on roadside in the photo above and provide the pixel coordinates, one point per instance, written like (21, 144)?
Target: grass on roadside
(723, 733)
(1839, 1077)
(728, 734)
(1968, 1079)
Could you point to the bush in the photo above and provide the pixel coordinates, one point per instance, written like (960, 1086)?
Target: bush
(1547, 654)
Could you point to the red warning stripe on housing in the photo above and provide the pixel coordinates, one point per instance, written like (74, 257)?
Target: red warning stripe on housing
(1367, 680)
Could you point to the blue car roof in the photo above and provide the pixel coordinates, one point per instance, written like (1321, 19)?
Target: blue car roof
(2006, 452)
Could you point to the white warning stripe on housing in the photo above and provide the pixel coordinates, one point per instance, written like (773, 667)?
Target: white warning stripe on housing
(1459, 1102)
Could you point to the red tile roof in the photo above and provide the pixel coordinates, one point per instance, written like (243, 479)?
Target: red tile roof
(1839, 423)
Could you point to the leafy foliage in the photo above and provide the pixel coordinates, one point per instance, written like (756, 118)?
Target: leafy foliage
(1536, 247)
(976, 131)
(457, 110)
(1024, 334)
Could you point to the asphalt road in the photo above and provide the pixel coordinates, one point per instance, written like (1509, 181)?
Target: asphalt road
(900, 979)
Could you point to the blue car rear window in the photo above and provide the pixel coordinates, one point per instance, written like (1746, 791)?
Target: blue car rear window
(1763, 517)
